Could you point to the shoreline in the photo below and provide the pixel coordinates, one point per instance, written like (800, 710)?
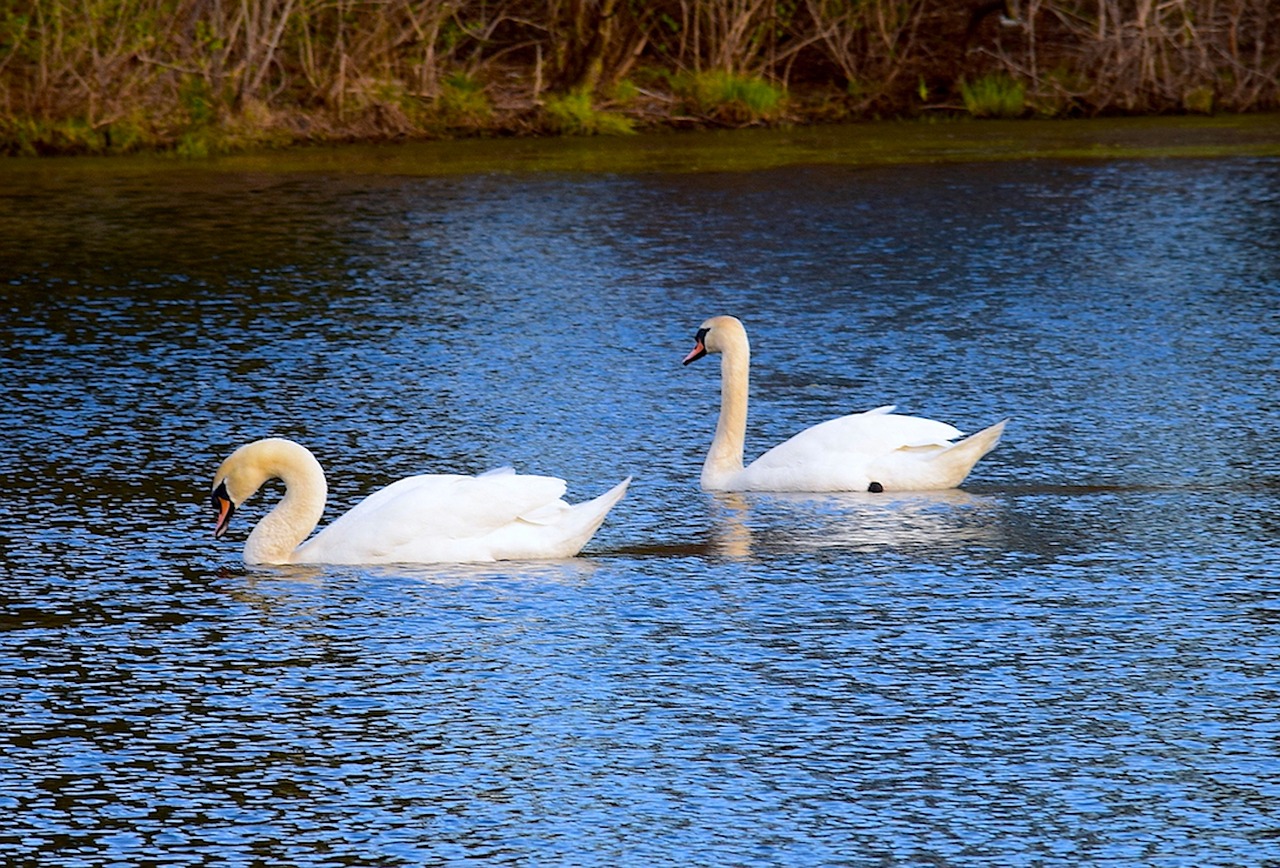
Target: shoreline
(857, 144)
(527, 119)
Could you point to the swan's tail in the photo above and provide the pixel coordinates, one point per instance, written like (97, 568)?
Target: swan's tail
(585, 518)
(960, 456)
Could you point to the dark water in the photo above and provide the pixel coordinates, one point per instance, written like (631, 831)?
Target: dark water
(1070, 662)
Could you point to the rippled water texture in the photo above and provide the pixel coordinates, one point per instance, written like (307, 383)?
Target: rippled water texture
(1071, 661)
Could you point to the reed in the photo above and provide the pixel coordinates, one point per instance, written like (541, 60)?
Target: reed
(199, 76)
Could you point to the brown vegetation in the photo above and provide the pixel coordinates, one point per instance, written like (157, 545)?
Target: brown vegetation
(206, 75)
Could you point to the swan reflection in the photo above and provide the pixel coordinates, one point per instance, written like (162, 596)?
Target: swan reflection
(746, 525)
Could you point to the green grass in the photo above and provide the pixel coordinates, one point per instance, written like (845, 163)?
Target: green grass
(574, 114)
(994, 96)
(728, 96)
(463, 103)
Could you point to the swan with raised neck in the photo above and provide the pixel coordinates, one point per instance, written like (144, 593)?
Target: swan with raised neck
(873, 451)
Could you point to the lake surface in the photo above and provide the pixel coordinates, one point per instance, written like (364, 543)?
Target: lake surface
(1070, 661)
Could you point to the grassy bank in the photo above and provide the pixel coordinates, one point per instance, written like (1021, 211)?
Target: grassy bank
(206, 76)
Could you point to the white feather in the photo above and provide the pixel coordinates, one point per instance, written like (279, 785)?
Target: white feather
(850, 453)
(499, 515)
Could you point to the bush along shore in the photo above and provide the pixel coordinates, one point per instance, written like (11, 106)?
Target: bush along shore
(200, 77)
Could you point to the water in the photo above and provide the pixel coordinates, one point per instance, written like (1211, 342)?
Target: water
(1069, 662)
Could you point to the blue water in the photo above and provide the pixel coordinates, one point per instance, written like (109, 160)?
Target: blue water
(1071, 661)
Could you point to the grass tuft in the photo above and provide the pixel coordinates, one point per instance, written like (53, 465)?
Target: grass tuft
(994, 96)
(463, 103)
(574, 114)
(728, 97)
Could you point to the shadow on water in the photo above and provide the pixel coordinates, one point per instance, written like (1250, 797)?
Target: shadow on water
(1208, 489)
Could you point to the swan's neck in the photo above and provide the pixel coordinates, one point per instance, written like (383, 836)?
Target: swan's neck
(281, 530)
(724, 459)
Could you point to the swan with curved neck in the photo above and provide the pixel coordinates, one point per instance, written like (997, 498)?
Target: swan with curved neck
(431, 518)
(873, 451)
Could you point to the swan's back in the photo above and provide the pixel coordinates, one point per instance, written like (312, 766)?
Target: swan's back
(851, 453)
(454, 518)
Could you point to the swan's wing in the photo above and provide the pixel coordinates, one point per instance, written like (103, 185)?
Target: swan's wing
(871, 433)
(836, 455)
(434, 517)
(463, 506)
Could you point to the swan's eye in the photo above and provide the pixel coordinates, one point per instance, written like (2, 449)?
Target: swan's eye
(701, 336)
(219, 495)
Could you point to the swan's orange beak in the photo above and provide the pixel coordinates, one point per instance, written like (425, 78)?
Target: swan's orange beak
(223, 506)
(699, 350)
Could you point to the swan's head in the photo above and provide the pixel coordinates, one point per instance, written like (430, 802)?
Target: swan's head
(244, 471)
(233, 484)
(717, 335)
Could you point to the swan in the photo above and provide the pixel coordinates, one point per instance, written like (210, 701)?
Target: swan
(873, 451)
(432, 518)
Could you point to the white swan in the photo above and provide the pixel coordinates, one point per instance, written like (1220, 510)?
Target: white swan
(419, 519)
(872, 451)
